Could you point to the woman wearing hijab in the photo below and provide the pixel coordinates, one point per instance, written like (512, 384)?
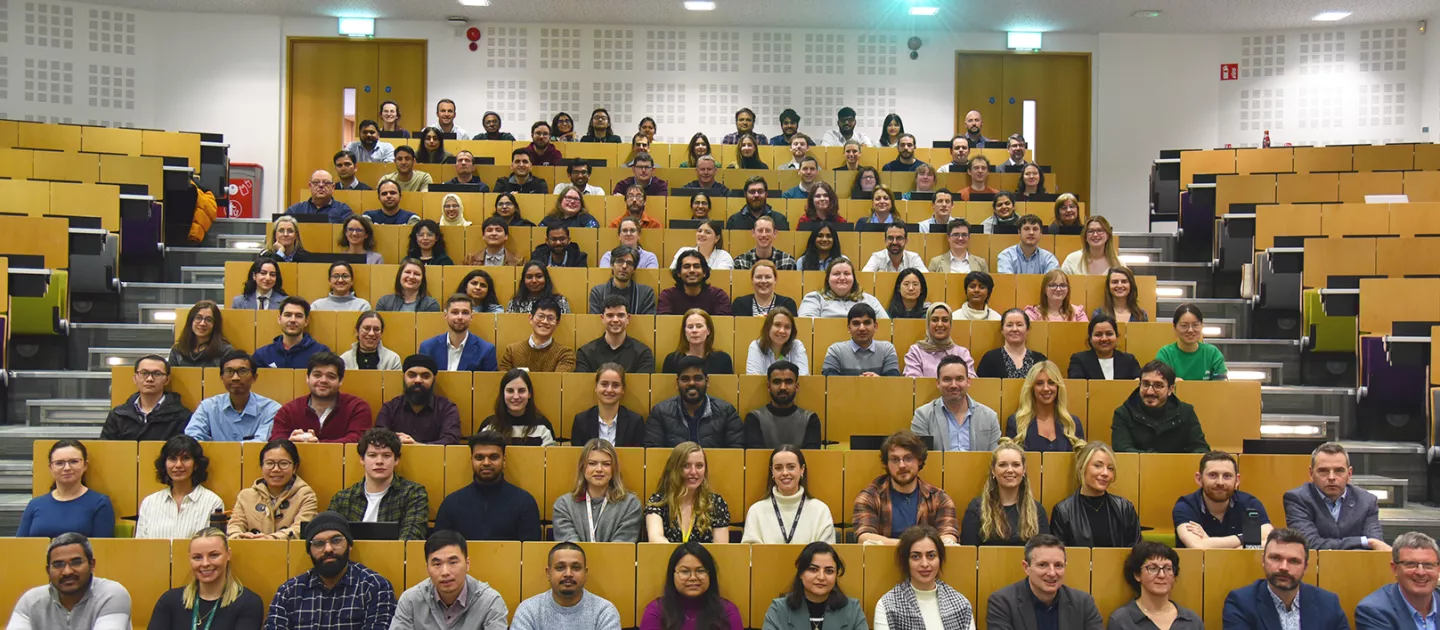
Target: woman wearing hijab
(924, 357)
(452, 212)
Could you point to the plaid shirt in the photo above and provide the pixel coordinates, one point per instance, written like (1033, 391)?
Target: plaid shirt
(406, 503)
(782, 260)
(363, 600)
(935, 508)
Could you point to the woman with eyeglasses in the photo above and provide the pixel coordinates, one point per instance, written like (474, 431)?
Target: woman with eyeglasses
(452, 212)
(628, 231)
(202, 341)
(1006, 512)
(1054, 304)
(185, 505)
(569, 211)
(357, 237)
(562, 128)
(279, 503)
(1151, 569)
(683, 507)
(214, 598)
(342, 291)
(691, 600)
(427, 244)
(1190, 357)
(1099, 251)
(69, 506)
(922, 600)
(600, 129)
(368, 352)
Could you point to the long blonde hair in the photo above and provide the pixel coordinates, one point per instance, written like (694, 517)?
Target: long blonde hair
(1025, 414)
(672, 489)
(993, 523)
(233, 587)
(1112, 255)
(1066, 310)
(616, 491)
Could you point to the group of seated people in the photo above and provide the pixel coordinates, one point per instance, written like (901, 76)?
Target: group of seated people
(898, 508)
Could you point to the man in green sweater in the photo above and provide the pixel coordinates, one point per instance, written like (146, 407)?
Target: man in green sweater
(1154, 420)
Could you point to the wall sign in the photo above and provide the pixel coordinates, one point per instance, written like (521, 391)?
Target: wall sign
(1229, 71)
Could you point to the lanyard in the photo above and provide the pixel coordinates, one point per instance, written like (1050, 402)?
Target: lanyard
(794, 526)
(195, 615)
(603, 502)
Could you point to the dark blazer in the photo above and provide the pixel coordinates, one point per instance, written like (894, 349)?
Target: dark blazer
(629, 427)
(1012, 608)
(1087, 365)
(1383, 610)
(781, 617)
(1305, 510)
(992, 364)
(478, 355)
(1251, 608)
(744, 305)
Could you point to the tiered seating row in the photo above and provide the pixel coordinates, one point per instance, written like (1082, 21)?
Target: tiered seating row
(1306, 160)
(1346, 220)
(630, 576)
(85, 168)
(106, 140)
(1289, 188)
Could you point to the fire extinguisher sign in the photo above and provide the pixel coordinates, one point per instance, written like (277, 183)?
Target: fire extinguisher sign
(1229, 71)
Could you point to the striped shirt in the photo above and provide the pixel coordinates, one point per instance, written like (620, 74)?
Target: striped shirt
(363, 600)
(160, 518)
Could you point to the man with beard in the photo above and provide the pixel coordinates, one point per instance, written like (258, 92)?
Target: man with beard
(1272, 602)
(1154, 420)
(845, 121)
(639, 299)
(369, 148)
(744, 123)
(490, 508)
(383, 496)
(75, 599)
(906, 161)
(460, 349)
(579, 172)
(789, 125)
(294, 346)
(326, 414)
(1215, 516)
(955, 420)
(1414, 562)
(390, 212)
(781, 421)
(419, 416)
(337, 594)
(567, 605)
(1331, 513)
(1042, 600)
(900, 499)
(450, 598)
(692, 288)
(542, 152)
(895, 258)
(693, 415)
(409, 179)
(465, 172)
(635, 200)
(973, 124)
(1016, 146)
(757, 195)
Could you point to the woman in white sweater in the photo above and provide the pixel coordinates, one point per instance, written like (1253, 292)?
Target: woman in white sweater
(788, 514)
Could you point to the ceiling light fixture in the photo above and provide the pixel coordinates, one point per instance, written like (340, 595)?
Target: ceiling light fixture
(699, 5)
(1147, 13)
(925, 11)
(357, 27)
(1331, 16)
(475, 3)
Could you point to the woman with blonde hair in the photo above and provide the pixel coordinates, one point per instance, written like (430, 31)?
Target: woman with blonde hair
(284, 244)
(684, 508)
(452, 212)
(586, 513)
(1006, 512)
(1093, 516)
(1054, 304)
(1043, 421)
(213, 598)
(1099, 251)
(697, 339)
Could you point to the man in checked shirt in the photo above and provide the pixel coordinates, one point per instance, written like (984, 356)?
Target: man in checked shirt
(337, 594)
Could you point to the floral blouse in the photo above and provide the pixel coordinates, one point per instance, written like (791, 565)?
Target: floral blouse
(719, 517)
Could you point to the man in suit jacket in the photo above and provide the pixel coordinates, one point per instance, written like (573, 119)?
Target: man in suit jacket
(958, 259)
(458, 349)
(1414, 562)
(1043, 593)
(1259, 606)
(1331, 513)
(979, 425)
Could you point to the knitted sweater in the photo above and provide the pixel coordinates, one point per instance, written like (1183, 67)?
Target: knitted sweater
(551, 358)
(815, 521)
(617, 522)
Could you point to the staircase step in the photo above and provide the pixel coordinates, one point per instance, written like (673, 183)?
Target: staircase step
(1265, 372)
(1163, 241)
(177, 258)
(1184, 290)
(67, 412)
(206, 275)
(15, 476)
(1390, 491)
(104, 358)
(1383, 448)
(12, 507)
(1298, 426)
(1215, 310)
(1412, 517)
(136, 295)
(158, 312)
(16, 441)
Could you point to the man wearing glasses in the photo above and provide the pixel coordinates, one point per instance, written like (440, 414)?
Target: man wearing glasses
(895, 257)
(238, 415)
(1154, 420)
(151, 413)
(337, 594)
(322, 199)
(643, 168)
(635, 198)
(540, 352)
(900, 499)
(74, 598)
(1415, 561)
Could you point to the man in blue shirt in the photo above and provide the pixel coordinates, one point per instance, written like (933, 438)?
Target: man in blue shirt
(1027, 257)
(1412, 598)
(322, 199)
(239, 415)
(390, 212)
(1282, 599)
(809, 177)
(789, 125)
(1214, 517)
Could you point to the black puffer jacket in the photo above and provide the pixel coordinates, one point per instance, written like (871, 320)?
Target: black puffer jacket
(166, 421)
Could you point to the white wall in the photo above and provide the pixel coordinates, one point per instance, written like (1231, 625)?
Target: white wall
(1430, 99)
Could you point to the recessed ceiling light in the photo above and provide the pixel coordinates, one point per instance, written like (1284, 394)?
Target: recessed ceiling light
(924, 10)
(1146, 13)
(1331, 16)
(475, 3)
(699, 5)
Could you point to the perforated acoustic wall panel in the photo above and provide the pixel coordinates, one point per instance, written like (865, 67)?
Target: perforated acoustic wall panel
(64, 62)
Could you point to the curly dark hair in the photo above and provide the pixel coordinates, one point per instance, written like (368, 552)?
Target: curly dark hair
(176, 446)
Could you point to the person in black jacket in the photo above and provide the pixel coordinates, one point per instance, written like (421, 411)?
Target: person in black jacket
(623, 427)
(1086, 364)
(558, 250)
(718, 425)
(1093, 517)
(151, 413)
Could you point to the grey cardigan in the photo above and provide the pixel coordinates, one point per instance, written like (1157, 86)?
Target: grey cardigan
(782, 617)
(930, 420)
(616, 523)
(389, 359)
(419, 608)
(393, 302)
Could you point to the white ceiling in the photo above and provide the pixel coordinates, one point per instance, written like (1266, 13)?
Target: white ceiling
(1075, 16)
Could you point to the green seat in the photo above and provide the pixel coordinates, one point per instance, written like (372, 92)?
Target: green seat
(37, 315)
(1327, 334)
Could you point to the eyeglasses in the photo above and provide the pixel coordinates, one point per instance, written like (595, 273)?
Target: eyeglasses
(894, 239)
(354, 230)
(908, 459)
(204, 319)
(1189, 327)
(545, 318)
(228, 372)
(1053, 287)
(67, 463)
(1152, 385)
(149, 374)
(1428, 567)
(1159, 569)
(321, 183)
(73, 563)
(686, 574)
(335, 541)
(1095, 231)
(281, 464)
(339, 276)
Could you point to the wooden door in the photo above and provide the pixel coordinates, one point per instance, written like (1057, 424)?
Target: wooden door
(401, 77)
(980, 85)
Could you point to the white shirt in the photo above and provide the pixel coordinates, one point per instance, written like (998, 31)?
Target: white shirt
(590, 189)
(608, 428)
(372, 505)
(880, 261)
(1108, 367)
(719, 259)
(959, 265)
(931, 226)
(834, 139)
(160, 518)
(460, 134)
(453, 353)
